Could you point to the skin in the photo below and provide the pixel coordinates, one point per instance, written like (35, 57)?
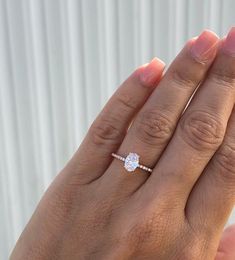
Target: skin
(95, 209)
(226, 249)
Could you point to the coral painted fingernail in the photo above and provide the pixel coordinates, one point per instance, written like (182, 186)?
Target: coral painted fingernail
(229, 43)
(203, 47)
(152, 72)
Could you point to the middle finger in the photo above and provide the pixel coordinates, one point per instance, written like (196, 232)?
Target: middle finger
(200, 131)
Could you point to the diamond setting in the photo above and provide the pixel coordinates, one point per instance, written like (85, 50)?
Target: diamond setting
(131, 162)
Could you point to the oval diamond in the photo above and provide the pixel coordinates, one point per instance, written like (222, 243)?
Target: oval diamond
(131, 162)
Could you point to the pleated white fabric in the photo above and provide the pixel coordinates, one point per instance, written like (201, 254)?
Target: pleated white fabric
(60, 60)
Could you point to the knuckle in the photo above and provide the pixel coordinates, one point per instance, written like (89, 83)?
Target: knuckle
(153, 127)
(183, 78)
(222, 78)
(126, 102)
(202, 131)
(105, 131)
(225, 160)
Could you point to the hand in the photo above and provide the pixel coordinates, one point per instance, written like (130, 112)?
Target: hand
(95, 209)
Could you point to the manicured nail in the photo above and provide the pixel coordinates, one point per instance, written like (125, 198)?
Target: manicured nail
(152, 72)
(203, 47)
(229, 43)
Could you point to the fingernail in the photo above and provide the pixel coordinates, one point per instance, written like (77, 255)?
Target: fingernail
(229, 43)
(152, 72)
(203, 47)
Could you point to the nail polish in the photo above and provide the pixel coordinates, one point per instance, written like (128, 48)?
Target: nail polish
(203, 47)
(152, 71)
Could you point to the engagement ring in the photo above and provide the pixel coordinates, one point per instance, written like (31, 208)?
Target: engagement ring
(131, 162)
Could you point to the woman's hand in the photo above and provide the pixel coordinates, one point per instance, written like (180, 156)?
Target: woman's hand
(95, 209)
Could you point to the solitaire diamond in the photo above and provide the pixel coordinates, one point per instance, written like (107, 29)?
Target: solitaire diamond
(131, 162)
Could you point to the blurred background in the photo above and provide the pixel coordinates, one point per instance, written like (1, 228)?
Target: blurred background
(60, 60)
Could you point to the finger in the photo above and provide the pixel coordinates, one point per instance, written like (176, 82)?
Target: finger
(199, 133)
(226, 249)
(215, 189)
(213, 197)
(155, 123)
(109, 129)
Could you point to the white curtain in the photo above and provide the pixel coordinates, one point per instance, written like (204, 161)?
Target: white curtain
(60, 60)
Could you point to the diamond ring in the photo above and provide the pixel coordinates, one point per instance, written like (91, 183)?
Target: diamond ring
(131, 162)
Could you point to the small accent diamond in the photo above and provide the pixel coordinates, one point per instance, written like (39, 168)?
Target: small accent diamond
(131, 162)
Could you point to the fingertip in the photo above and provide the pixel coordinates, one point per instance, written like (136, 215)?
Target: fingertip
(203, 48)
(157, 62)
(152, 72)
(211, 34)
